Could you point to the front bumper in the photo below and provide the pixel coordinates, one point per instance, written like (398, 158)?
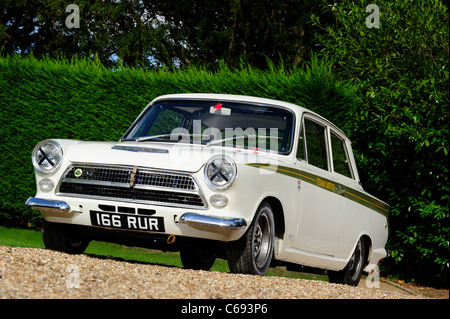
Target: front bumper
(200, 220)
(47, 205)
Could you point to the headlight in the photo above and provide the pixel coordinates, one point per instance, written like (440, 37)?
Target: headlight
(47, 156)
(220, 172)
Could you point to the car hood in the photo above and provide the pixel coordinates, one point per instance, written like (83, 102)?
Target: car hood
(170, 156)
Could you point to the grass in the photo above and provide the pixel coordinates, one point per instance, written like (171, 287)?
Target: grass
(16, 237)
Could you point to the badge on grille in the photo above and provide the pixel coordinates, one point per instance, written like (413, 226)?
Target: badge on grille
(78, 172)
(133, 176)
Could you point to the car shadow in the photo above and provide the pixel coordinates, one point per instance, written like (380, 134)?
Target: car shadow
(130, 261)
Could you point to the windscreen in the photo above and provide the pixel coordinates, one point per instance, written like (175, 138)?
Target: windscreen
(216, 123)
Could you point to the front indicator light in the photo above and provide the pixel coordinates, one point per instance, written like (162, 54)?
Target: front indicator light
(219, 200)
(46, 184)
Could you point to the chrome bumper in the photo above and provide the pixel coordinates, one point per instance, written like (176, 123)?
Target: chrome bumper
(198, 220)
(47, 205)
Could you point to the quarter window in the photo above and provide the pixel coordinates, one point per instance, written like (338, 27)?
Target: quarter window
(340, 158)
(301, 146)
(316, 144)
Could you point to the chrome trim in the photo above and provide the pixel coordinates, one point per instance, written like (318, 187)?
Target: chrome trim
(125, 167)
(230, 182)
(193, 219)
(127, 185)
(56, 166)
(91, 182)
(196, 191)
(133, 201)
(47, 205)
(139, 149)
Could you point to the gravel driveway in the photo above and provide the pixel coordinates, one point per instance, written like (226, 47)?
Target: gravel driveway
(39, 273)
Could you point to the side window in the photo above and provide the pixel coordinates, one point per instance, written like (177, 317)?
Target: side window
(341, 162)
(301, 146)
(316, 144)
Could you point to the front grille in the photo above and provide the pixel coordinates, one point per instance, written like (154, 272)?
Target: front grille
(114, 182)
(120, 175)
(131, 193)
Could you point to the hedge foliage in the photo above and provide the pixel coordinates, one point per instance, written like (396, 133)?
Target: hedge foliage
(400, 71)
(81, 99)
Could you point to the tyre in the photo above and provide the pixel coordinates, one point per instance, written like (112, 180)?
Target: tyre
(352, 272)
(61, 238)
(193, 258)
(252, 253)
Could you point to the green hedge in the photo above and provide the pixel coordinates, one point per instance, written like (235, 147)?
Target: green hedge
(42, 99)
(401, 73)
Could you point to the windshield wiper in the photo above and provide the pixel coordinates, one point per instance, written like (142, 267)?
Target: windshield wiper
(148, 138)
(242, 136)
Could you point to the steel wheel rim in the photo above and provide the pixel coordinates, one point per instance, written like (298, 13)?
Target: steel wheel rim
(76, 243)
(262, 240)
(356, 261)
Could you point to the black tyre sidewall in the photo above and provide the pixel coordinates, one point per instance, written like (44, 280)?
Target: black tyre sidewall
(61, 238)
(345, 275)
(240, 253)
(197, 259)
(264, 208)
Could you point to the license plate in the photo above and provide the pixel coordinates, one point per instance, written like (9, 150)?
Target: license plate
(124, 221)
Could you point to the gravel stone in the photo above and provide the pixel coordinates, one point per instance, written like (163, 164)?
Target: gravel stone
(33, 273)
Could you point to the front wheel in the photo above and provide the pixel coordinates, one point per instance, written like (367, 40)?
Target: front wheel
(252, 254)
(199, 259)
(351, 274)
(61, 238)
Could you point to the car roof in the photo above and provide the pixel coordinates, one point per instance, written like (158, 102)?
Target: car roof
(229, 97)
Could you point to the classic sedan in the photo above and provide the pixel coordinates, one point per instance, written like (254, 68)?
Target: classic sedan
(251, 180)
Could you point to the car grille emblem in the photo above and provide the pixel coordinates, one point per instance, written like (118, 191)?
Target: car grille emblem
(78, 172)
(133, 176)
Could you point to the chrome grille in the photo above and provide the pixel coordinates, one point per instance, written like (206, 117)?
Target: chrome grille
(120, 175)
(117, 182)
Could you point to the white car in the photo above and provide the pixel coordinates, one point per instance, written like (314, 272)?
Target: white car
(248, 179)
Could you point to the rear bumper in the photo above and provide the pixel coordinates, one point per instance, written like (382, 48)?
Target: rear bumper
(47, 205)
(377, 255)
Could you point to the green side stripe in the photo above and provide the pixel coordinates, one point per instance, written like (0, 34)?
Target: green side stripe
(329, 185)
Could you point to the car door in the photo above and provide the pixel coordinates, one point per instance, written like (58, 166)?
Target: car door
(320, 205)
(345, 174)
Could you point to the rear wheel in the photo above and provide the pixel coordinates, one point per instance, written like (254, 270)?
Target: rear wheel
(351, 274)
(252, 254)
(62, 238)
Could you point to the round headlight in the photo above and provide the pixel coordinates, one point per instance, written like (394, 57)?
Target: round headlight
(220, 172)
(47, 156)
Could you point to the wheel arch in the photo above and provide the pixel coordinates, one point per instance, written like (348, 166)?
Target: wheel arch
(368, 246)
(278, 215)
